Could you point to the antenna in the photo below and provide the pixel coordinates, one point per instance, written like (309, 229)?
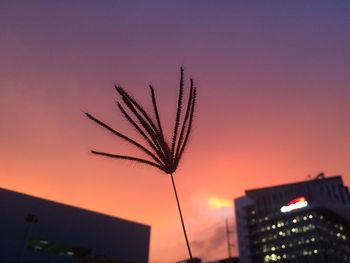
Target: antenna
(229, 244)
(320, 176)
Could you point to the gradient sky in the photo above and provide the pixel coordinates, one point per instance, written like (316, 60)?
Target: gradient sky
(273, 82)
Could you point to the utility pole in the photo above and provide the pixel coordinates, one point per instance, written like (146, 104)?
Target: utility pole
(229, 244)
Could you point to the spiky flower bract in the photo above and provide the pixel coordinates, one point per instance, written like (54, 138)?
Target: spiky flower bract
(163, 156)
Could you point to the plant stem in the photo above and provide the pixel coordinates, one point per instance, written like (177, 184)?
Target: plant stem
(182, 220)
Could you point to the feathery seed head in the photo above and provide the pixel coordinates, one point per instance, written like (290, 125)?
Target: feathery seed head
(164, 156)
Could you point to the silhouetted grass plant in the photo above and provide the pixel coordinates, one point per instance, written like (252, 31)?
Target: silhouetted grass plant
(163, 155)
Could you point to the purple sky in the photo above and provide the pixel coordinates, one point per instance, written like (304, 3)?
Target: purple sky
(273, 105)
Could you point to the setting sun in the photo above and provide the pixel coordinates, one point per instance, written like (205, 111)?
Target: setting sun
(215, 202)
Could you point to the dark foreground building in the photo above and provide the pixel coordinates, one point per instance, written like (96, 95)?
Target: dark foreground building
(305, 222)
(226, 260)
(194, 260)
(34, 230)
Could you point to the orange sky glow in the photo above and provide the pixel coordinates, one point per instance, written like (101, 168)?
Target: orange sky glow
(273, 106)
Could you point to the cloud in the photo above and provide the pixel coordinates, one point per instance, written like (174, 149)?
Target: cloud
(218, 238)
(214, 244)
(197, 245)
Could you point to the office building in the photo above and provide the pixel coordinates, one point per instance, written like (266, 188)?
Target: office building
(35, 230)
(304, 222)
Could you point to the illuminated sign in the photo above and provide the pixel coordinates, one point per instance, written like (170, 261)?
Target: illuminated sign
(296, 203)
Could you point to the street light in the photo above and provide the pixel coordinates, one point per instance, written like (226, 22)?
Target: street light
(31, 219)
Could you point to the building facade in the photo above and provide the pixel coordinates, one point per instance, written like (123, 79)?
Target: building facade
(35, 230)
(305, 222)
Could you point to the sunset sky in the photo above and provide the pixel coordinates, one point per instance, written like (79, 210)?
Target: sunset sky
(273, 83)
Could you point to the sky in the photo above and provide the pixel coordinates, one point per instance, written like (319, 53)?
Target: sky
(273, 83)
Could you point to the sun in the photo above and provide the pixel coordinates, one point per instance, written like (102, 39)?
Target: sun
(215, 202)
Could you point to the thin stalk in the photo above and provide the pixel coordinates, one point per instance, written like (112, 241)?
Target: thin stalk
(182, 220)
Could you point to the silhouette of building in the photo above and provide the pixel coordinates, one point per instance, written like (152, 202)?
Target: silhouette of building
(226, 260)
(300, 222)
(35, 230)
(194, 260)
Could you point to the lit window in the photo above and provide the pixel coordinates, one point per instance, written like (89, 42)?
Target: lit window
(268, 258)
(265, 248)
